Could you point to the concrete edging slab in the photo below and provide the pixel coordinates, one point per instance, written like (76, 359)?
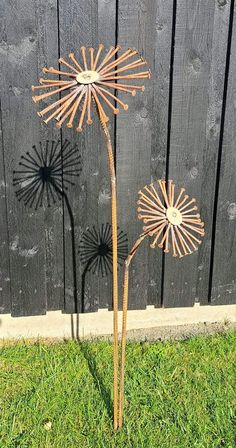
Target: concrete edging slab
(55, 324)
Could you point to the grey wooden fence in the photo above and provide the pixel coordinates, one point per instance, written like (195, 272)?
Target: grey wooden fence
(183, 125)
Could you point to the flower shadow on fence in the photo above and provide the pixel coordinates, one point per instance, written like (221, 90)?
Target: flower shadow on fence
(44, 176)
(95, 250)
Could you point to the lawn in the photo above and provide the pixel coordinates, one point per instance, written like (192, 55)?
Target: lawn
(178, 394)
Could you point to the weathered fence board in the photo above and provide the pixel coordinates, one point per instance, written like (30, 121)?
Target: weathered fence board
(46, 24)
(162, 22)
(80, 209)
(30, 35)
(89, 198)
(191, 148)
(212, 133)
(5, 291)
(223, 281)
(182, 126)
(137, 27)
(20, 126)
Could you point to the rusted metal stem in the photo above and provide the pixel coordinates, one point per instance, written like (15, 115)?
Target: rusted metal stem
(111, 166)
(124, 322)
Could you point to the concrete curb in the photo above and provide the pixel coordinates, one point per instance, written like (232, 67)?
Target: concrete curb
(58, 325)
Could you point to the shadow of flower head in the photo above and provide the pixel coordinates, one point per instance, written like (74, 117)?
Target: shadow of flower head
(95, 249)
(45, 173)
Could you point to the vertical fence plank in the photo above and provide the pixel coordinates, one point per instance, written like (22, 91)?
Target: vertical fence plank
(213, 119)
(30, 36)
(136, 28)
(5, 291)
(86, 23)
(106, 35)
(160, 107)
(20, 126)
(47, 26)
(224, 261)
(196, 110)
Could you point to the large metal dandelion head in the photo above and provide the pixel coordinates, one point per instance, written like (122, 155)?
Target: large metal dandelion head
(170, 217)
(96, 249)
(88, 81)
(45, 174)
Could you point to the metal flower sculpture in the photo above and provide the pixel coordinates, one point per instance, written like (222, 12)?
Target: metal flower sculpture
(86, 82)
(169, 218)
(173, 222)
(45, 174)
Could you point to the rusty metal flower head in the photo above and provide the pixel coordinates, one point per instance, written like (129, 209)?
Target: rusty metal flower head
(89, 82)
(170, 217)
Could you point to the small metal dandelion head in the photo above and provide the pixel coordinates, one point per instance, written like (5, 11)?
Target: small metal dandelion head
(96, 249)
(45, 173)
(170, 217)
(88, 82)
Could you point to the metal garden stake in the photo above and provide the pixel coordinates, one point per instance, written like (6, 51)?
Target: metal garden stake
(173, 222)
(84, 83)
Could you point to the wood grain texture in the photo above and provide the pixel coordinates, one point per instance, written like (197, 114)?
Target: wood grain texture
(25, 43)
(193, 141)
(160, 107)
(136, 28)
(46, 16)
(106, 33)
(212, 133)
(20, 124)
(86, 23)
(223, 281)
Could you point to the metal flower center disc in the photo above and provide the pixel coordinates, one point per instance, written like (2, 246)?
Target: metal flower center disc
(87, 77)
(174, 216)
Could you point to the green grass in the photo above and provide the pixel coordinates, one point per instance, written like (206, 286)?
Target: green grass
(178, 395)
